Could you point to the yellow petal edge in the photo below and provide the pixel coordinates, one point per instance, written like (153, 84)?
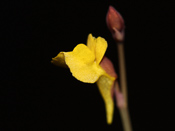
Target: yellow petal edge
(59, 60)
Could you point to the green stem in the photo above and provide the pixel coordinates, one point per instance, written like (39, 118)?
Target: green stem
(125, 119)
(123, 84)
(122, 71)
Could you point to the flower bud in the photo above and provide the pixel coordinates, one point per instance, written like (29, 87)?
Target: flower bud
(115, 24)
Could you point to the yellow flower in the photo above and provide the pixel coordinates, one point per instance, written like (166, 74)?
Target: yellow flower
(84, 63)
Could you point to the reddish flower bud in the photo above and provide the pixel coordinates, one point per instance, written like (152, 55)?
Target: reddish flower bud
(115, 24)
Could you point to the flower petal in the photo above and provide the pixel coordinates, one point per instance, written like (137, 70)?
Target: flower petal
(59, 60)
(81, 62)
(105, 85)
(91, 43)
(98, 46)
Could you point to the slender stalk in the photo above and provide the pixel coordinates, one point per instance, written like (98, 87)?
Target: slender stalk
(122, 71)
(123, 108)
(125, 119)
(124, 113)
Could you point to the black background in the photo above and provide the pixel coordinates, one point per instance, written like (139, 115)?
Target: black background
(36, 95)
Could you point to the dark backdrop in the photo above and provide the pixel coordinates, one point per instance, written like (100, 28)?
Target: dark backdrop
(36, 95)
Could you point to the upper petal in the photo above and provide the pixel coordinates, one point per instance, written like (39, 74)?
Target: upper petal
(98, 46)
(91, 43)
(81, 62)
